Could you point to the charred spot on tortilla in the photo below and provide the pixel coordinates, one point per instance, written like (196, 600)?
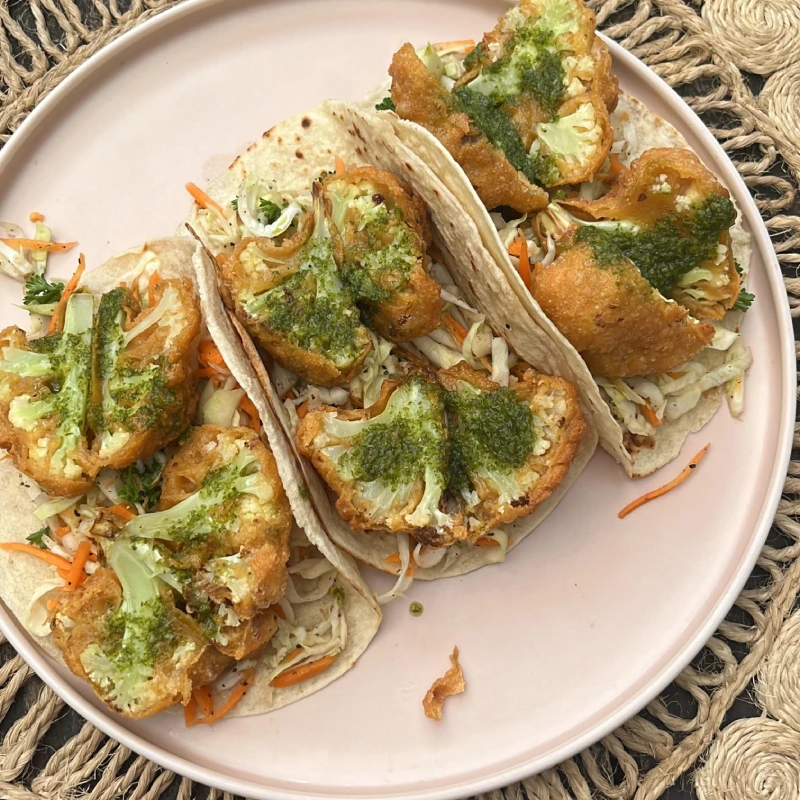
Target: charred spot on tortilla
(299, 154)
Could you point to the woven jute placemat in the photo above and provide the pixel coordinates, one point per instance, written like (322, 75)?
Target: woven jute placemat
(737, 63)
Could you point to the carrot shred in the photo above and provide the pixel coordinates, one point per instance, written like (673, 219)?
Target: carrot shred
(66, 294)
(302, 673)
(62, 531)
(487, 364)
(151, 285)
(52, 603)
(646, 498)
(302, 409)
(237, 693)
(340, 165)
(650, 415)
(202, 199)
(35, 216)
(277, 611)
(76, 572)
(121, 510)
(515, 248)
(204, 699)
(190, 713)
(247, 405)
(524, 267)
(457, 330)
(454, 44)
(290, 395)
(35, 244)
(676, 375)
(302, 551)
(33, 550)
(207, 372)
(209, 353)
(615, 165)
(487, 541)
(394, 558)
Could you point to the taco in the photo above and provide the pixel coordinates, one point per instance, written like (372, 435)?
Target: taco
(423, 406)
(148, 541)
(631, 257)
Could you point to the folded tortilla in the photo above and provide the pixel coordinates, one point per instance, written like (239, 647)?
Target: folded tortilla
(22, 574)
(644, 130)
(291, 155)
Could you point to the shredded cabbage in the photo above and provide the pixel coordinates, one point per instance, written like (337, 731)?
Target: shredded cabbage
(405, 576)
(219, 409)
(54, 506)
(430, 558)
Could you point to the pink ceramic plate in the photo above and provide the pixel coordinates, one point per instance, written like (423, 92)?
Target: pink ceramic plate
(591, 616)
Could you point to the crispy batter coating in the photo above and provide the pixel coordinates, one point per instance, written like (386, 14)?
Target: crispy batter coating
(619, 324)
(167, 411)
(80, 621)
(260, 264)
(557, 420)
(632, 197)
(247, 637)
(419, 97)
(261, 537)
(452, 682)
(385, 253)
(33, 450)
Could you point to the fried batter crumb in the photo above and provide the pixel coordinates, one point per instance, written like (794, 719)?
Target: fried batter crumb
(452, 683)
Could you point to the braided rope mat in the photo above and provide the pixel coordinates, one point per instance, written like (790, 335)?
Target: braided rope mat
(736, 64)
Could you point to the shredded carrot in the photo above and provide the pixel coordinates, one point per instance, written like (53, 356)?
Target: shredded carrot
(190, 713)
(121, 510)
(76, 573)
(302, 551)
(33, 550)
(302, 673)
(277, 611)
(151, 286)
(340, 166)
(52, 603)
(66, 294)
(204, 699)
(457, 330)
(302, 409)
(487, 541)
(62, 531)
(35, 244)
(487, 364)
(676, 375)
(650, 415)
(237, 693)
(456, 43)
(394, 558)
(202, 199)
(290, 395)
(36, 217)
(524, 268)
(515, 248)
(247, 405)
(646, 498)
(63, 573)
(615, 165)
(210, 354)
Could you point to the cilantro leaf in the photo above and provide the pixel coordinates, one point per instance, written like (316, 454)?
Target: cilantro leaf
(36, 538)
(387, 104)
(744, 301)
(142, 486)
(39, 291)
(269, 209)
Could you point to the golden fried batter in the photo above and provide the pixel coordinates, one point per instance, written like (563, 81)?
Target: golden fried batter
(557, 420)
(419, 97)
(132, 423)
(385, 236)
(649, 191)
(33, 449)
(81, 622)
(245, 565)
(619, 324)
(258, 265)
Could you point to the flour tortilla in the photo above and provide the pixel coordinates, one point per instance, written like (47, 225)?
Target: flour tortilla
(645, 130)
(180, 258)
(291, 155)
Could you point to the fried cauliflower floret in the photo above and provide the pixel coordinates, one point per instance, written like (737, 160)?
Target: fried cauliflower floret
(510, 448)
(419, 97)
(669, 190)
(291, 299)
(385, 235)
(144, 389)
(223, 516)
(536, 91)
(614, 318)
(121, 632)
(44, 386)
(387, 463)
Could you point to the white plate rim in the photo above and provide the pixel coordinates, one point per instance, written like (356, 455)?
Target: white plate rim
(39, 662)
